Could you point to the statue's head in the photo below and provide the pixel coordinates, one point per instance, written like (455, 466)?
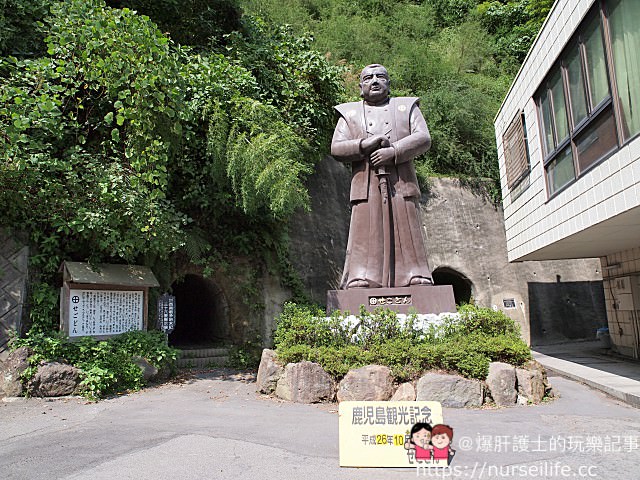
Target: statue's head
(374, 84)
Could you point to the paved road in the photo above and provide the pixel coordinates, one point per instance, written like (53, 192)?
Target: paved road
(214, 426)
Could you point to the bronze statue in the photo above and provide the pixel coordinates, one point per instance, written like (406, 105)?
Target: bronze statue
(380, 136)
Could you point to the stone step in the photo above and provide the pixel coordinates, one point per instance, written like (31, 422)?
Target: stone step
(203, 357)
(203, 352)
(202, 362)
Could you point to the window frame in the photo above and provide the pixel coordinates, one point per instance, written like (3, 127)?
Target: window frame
(594, 113)
(623, 137)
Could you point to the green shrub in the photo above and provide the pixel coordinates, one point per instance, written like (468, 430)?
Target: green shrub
(381, 326)
(499, 348)
(336, 361)
(465, 343)
(307, 325)
(245, 356)
(475, 319)
(106, 366)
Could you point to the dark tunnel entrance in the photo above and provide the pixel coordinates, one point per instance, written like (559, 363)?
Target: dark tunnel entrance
(462, 286)
(201, 313)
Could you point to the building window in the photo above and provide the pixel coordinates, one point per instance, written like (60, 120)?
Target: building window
(575, 107)
(624, 19)
(516, 154)
(552, 105)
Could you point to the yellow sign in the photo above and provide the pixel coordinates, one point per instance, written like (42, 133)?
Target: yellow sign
(378, 434)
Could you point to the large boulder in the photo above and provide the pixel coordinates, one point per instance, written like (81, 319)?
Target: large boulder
(54, 379)
(269, 372)
(305, 382)
(502, 383)
(370, 383)
(532, 383)
(450, 390)
(16, 363)
(405, 393)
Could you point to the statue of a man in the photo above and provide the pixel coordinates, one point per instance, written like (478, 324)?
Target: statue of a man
(380, 136)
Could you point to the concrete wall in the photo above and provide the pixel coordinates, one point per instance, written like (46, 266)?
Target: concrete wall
(623, 322)
(465, 232)
(14, 259)
(319, 238)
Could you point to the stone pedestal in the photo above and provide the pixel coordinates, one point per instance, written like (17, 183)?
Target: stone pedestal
(423, 299)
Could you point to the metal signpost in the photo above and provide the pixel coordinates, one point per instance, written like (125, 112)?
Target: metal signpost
(167, 313)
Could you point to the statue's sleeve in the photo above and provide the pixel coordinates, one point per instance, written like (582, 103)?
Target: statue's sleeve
(418, 142)
(343, 147)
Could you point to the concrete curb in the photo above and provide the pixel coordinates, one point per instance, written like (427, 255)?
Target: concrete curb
(622, 388)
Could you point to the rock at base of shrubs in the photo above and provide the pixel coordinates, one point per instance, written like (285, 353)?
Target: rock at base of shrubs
(16, 363)
(501, 382)
(305, 382)
(269, 372)
(450, 390)
(370, 383)
(54, 379)
(405, 393)
(532, 383)
(148, 371)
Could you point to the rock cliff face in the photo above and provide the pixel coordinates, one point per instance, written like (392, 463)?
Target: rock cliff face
(319, 238)
(466, 241)
(466, 248)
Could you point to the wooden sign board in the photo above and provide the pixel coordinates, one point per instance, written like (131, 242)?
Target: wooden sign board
(104, 300)
(105, 312)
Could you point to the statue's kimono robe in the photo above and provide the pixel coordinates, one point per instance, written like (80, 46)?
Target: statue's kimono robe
(401, 121)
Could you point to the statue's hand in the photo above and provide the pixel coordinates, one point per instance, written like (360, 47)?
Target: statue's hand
(370, 144)
(383, 156)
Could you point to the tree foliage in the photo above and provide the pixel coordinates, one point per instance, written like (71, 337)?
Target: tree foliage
(200, 24)
(119, 144)
(21, 32)
(459, 56)
(132, 129)
(88, 131)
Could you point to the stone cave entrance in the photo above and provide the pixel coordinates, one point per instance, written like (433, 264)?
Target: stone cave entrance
(201, 314)
(462, 286)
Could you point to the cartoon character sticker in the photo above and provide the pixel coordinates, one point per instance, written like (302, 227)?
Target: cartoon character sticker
(430, 445)
(418, 441)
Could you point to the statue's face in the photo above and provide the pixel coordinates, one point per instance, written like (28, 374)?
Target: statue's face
(374, 84)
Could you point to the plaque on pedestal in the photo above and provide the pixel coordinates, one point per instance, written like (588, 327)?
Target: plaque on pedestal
(423, 299)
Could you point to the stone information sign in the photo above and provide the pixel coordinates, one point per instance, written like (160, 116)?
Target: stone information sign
(105, 312)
